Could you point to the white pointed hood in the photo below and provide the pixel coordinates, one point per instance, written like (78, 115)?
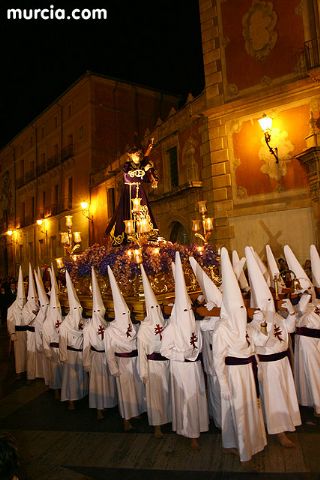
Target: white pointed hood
(262, 267)
(98, 308)
(261, 295)
(21, 294)
(315, 266)
(122, 323)
(238, 270)
(294, 265)
(233, 310)
(74, 317)
(273, 268)
(208, 287)
(32, 297)
(182, 318)
(54, 314)
(150, 330)
(43, 297)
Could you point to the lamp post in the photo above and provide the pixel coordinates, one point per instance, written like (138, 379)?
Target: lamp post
(43, 224)
(266, 125)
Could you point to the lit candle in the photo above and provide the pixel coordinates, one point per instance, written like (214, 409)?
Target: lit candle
(138, 255)
(129, 253)
(156, 251)
(136, 207)
(202, 205)
(77, 237)
(60, 262)
(64, 237)
(129, 226)
(200, 250)
(208, 224)
(69, 220)
(195, 225)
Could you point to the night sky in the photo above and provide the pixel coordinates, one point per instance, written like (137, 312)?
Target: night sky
(154, 43)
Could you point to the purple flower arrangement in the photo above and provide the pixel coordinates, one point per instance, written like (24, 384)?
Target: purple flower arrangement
(156, 259)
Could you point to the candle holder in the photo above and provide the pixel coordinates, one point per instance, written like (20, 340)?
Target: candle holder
(205, 224)
(70, 240)
(139, 226)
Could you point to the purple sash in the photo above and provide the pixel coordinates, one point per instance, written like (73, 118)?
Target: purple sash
(134, 353)
(308, 332)
(95, 350)
(74, 349)
(273, 357)
(21, 328)
(156, 356)
(246, 361)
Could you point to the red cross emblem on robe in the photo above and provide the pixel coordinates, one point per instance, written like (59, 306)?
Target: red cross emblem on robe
(129, 330)
(193, 340)
(57, 324)
(158, 330)
(101, 331)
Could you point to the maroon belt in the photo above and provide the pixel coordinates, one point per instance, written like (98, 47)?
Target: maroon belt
(21, 328)
(199, 358)
(273, 357)
(31, 328)
(74, 349)
(54, 344)
(246, 361)
(96, 350)
(134, 353)
(156, 356)
(308, 332)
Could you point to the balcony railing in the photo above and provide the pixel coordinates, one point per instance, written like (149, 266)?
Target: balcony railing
(67, 152)
(311, 53)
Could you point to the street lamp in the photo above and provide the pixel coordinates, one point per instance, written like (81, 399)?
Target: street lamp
(85, 208)
(266, 125)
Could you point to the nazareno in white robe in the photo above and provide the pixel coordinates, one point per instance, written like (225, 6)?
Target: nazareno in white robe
(102, 385)
(74, 378)
(34, 357)
(213, 388)
(131, 391)
(156, 375)
(307, 362)
(15, 319)
(188, 392)
(278, 393)
(241, 414)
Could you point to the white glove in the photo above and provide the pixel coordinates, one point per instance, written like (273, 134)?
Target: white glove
(225, 391)
(210, 305)
(258, 316)
(303, 303)
(13, 337)
(286, 303)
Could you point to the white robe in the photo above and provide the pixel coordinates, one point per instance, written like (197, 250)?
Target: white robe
(74, 378)
(15, 318)
(102, 385)
(279, 398)
(50, 335)
(156, 376)
(38, 324)
(188, 391)
(213, 387)
(241, 414)
(307, 362)
(131, 391)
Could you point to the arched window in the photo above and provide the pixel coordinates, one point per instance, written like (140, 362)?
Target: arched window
(179, 234)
